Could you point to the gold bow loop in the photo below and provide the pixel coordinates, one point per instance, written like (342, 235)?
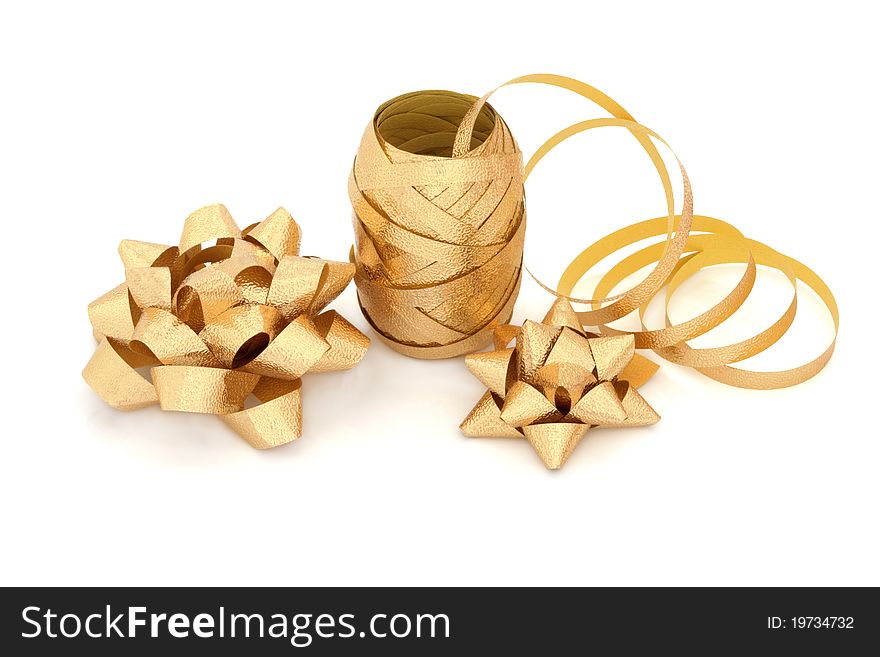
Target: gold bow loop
(556, 383)
(220, 323)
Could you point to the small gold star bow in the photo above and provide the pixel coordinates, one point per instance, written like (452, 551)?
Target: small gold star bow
(556, 383)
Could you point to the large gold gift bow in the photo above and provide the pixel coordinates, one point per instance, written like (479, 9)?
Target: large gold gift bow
(680, 256)
(218, 324)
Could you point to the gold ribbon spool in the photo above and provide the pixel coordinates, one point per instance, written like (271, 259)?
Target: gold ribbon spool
(438, 239)
(675, 259)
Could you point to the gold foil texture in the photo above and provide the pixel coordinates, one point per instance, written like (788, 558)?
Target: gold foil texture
(438, 238)
(401, 242)
(557, 383)
(226, 316)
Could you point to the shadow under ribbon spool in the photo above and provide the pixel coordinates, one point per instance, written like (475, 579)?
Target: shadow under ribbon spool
(438, 238)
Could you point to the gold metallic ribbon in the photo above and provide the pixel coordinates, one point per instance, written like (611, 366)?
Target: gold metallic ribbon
(218, 324)
(557, 383)
(438, 239)
(680, 255)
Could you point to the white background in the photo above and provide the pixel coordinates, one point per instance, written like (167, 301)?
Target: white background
(118, 120)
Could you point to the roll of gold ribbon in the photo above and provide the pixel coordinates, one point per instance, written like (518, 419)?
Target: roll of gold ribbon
(438, 238)
(679, 256)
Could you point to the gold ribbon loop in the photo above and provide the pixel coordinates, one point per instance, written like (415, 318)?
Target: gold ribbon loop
(211, 222)
(115, 380)
(276, 421)
(278, 234)
(202, 389)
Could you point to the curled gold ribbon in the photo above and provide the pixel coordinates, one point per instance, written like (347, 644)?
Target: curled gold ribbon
(438, 239)
(217, 325)
(679, 256)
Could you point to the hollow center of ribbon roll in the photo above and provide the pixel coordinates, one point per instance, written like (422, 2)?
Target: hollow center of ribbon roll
(426, 122)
